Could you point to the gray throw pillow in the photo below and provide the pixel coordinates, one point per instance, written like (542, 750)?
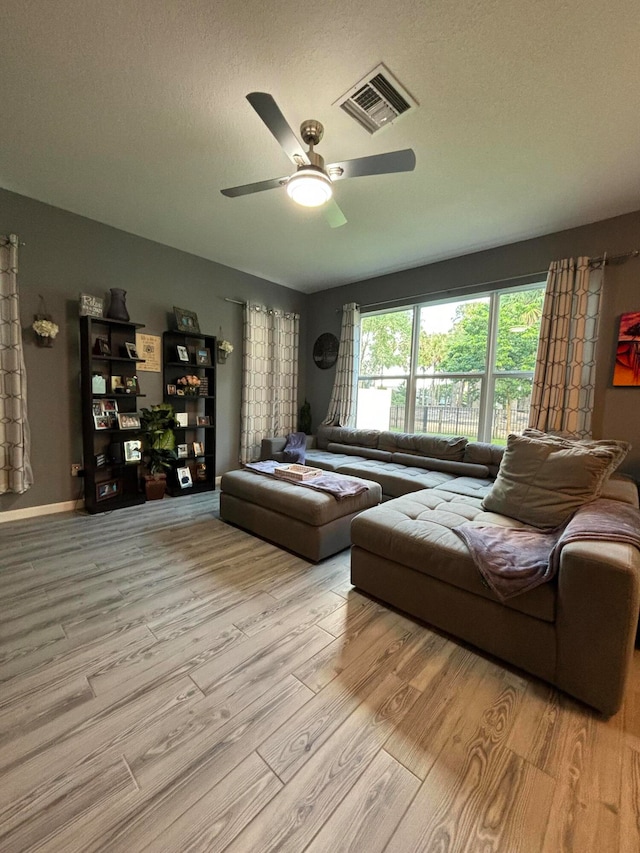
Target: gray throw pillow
(544, 479)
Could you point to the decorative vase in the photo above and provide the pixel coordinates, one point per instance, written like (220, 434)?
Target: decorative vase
(117, 305)
(44, 341)
(222, 356)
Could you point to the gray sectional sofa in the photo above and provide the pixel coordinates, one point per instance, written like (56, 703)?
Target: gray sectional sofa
(576, 632)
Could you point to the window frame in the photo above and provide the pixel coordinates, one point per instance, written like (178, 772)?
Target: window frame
(487, 377)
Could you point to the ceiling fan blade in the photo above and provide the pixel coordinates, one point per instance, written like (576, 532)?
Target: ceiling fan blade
(377, 164)
(271, 115)
(247, 189)
(332, 213)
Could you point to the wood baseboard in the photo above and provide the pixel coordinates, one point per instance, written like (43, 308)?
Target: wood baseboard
(35, 511)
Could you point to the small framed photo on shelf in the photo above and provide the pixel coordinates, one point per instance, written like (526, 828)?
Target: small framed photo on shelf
(182, 451)
(198, 449)
(184, 477)
(186, 321)
(109, 406)
(183, 419)
(201, 471)
(131, 351)
(96, 407)
(108, 489)
(101, 347)
(91, 306)
(127, 420)
(117, 385)
(203, 357)
(171, 390)
(131, 385)
(203, 420)
(183, 353)
(103, 421)
(133, 451)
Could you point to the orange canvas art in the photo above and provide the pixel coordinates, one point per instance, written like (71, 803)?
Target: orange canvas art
(627, 369)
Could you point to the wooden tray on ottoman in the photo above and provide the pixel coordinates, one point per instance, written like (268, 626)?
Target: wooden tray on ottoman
(297, 473)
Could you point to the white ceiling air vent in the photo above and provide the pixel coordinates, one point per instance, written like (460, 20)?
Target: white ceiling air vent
(377, 100)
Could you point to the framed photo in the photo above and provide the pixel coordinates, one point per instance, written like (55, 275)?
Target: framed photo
(186, 321)
(171, 390)
(183, 353)
(117, 385)
(127, 420)
(198, 449)
(182, 450)
(96, 407)
(132, 352)
(131, 385)
(108, 489)
(102, 421)
(203, 420)
(109, 406)
(626, 371)
(184, 477)
(182, 418)
(203, 357)
(101, 347)
(133, 451)
(201, 471)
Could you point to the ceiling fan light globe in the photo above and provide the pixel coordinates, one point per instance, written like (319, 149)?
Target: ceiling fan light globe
(309, 188)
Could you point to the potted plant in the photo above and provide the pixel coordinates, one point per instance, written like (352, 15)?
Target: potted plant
(158, 447)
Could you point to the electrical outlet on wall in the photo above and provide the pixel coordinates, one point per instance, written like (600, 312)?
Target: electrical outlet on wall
(75, 469)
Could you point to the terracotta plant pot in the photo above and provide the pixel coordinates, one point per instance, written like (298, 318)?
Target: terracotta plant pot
(155, 485)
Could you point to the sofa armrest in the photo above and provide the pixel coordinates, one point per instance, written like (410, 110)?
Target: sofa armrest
(596, 621)
(271, 448)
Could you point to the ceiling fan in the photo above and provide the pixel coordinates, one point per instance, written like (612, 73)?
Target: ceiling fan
(311, 184)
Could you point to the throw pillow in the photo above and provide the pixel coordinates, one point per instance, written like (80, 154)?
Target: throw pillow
(544, 479)
(295, 448)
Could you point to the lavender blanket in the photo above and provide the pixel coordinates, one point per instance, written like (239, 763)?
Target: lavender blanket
(514, 561)
(334, 484)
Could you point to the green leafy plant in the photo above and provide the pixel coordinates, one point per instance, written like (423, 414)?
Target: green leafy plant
(158, 437)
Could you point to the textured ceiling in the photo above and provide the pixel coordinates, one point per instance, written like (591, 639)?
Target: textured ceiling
(133, 113)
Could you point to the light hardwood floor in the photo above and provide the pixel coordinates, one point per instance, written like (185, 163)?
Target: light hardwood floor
(170, 683)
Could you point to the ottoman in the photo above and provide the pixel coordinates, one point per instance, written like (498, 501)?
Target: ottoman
(309, 522)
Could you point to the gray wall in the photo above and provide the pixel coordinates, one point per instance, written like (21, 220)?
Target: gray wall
(65, 254)
(617, 410)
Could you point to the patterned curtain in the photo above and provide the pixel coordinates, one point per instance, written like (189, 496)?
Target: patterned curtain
(269, 378)
(564, 378)
(342, 405)
(15, 468)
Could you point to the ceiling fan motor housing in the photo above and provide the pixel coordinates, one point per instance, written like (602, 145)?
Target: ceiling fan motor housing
(311, 131)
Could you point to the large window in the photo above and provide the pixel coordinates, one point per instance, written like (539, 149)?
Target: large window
(453, 368)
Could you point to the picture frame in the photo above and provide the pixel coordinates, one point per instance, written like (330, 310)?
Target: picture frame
(171, 390)
(203, 357)
(101, 347)
(109, 406)
(131, 385)
(201, 471)
(117, 385)
(108, 489)
(90, 306)
(186, 321)
(182, 418)
(203, 420)
(182, 353)
(96, 408)
(133, 451)
(132, 351)
(182, 451)
(198, 449)
(626, 371)
(128, 420)
(184, 477)
(102, 421)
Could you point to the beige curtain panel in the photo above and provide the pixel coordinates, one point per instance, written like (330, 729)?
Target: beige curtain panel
(15, 468)
(269, 377)
(342, 405)
(564, 378)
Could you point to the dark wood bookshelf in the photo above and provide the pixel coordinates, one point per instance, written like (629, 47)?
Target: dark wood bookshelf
(194, 405)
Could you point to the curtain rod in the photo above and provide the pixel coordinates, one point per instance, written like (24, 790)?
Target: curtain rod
(601, 259)
(270, 310)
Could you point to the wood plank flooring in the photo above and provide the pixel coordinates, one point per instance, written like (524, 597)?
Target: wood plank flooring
(170, 683)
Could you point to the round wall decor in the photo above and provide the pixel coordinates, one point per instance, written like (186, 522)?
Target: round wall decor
(325, 350)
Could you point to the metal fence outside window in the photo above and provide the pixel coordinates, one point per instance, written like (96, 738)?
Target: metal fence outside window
(457, 420)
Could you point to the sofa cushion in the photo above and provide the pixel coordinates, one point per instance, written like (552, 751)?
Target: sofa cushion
(364, 452)
(472, 487)
(543, 480)
(481, 453)
(439, 464)
(416, 531)
(330, 461)
(395, 479)
(436, 446)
